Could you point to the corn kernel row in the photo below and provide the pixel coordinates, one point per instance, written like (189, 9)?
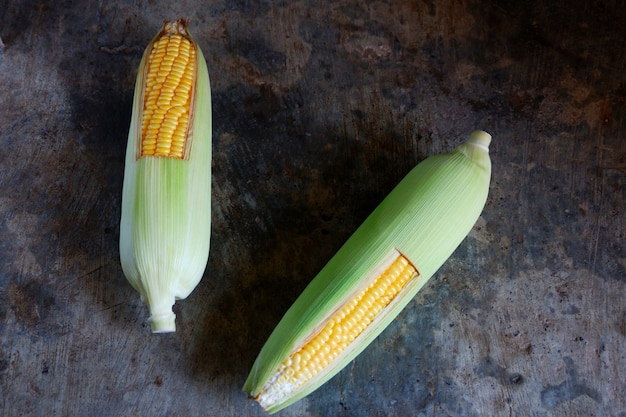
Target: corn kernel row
(168, 95)
(338, 332)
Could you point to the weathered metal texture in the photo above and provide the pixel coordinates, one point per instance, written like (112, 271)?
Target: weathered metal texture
(319, 109)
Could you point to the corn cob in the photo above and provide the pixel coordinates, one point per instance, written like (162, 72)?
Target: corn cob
(374, 274)
(166, 198)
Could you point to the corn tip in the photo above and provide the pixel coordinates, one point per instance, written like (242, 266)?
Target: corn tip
(481, 139)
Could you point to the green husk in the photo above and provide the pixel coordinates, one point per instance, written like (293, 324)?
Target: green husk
(425, 218)
(166, 207)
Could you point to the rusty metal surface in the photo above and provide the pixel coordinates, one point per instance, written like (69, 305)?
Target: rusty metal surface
(319, 109)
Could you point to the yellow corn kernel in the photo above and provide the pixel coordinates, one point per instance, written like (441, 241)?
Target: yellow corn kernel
(340, 329)
(167, 101)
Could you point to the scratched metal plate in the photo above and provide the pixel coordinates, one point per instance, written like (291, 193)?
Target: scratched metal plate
(319, 110)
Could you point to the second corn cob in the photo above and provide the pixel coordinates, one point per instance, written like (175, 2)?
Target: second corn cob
(374, 274)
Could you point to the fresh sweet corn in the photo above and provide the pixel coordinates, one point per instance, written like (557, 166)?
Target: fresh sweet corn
(374, 275)
(166, 198)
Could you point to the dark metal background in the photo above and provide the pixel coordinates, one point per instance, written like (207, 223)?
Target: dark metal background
(320, 108)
